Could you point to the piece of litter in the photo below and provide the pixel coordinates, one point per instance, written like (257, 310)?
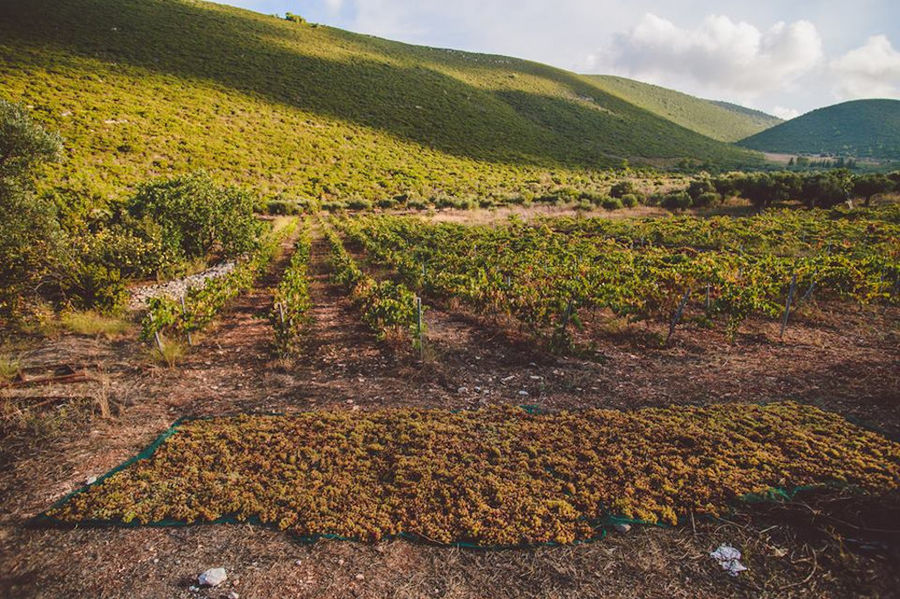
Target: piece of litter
(212, 577)
(729, 558)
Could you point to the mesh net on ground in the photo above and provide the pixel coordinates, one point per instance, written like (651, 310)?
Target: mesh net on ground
(499, 476)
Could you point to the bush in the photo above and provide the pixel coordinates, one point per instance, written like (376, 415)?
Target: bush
(612, 203)
(622, 188)
(387, 203)
(417, 204)
(699, 187)
(282, 207)
(197, 216)
(360, 204)
(707, 199)
(677, 200)
(629, 200)
(90, 285)
(334, 206)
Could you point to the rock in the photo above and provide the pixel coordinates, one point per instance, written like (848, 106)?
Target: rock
(90, 480)
(462, 390)
(212, 577)
(233, 595)
(523, 392)
(360, 577)
(621, 527)
(298, 563)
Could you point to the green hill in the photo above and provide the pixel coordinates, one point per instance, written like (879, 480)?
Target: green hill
(152, 87)
(719, 120)
(860, 128)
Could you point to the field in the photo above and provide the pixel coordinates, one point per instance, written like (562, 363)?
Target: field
(349, 317)
(320, 406)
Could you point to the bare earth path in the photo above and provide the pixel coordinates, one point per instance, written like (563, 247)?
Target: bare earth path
(470, 362)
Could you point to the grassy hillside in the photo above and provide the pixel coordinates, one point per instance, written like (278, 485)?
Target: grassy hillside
(152, 87)
(860, 128)
(719, 120)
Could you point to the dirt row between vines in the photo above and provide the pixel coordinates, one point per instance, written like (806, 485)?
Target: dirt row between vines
(848, 364)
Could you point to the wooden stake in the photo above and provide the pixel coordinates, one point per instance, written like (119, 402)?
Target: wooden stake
(677, 317)
(419, 328)
(787, 303)
(184, 315)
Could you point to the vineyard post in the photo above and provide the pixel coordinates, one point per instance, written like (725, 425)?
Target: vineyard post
(787, 303)
(184, 315)
(809, 292)
(677, 317)
(281, 313)
(707, 298)
(419, 328)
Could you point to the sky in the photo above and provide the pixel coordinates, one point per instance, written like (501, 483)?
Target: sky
(783, 57)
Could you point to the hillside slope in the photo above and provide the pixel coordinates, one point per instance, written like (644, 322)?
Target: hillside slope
(859, 128)
(719, 120)
(150, 87)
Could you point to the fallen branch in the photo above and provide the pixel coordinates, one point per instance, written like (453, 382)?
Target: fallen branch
(78, 377)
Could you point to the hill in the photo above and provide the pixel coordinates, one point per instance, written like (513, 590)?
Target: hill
(719, 120)
(859, 128)
(154, 87)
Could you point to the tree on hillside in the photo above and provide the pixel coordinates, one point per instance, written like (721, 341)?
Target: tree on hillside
(27, 224)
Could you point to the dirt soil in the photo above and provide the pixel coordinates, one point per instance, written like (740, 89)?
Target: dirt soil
(839, 357)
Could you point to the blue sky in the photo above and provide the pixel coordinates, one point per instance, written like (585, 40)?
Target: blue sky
(785, 57)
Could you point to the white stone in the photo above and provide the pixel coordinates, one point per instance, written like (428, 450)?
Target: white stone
(233, 595)
(622, 527)
(212, 577)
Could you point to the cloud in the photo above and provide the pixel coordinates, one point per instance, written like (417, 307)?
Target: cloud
(785, 113)
(870, 71)
(720, 55)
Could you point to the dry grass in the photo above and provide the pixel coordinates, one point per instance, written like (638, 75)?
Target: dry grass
(167, 353)
(92, 324)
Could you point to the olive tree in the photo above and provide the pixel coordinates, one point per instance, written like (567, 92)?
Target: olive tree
(27, 225)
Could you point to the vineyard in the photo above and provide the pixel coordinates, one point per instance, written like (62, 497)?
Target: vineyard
(547, 275)
(309, 405)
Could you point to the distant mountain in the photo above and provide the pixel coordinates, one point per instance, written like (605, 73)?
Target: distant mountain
(719, 120)
(859, 128)
(142, 88)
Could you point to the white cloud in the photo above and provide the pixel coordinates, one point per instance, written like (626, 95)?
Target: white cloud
(870, 71)
(720, 56)
(785, 113)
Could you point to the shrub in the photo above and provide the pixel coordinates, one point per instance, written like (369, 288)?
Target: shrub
(707, 199)
(594, 197)
(416, 204)
(90, 285)
(629, 200)
(334, 206)
(387, 203)
(622, 188)
(677, 200)
(198, 216)
(360, 204)
(698, 187)
(612, 203)
(282, 207)
(28, 229)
